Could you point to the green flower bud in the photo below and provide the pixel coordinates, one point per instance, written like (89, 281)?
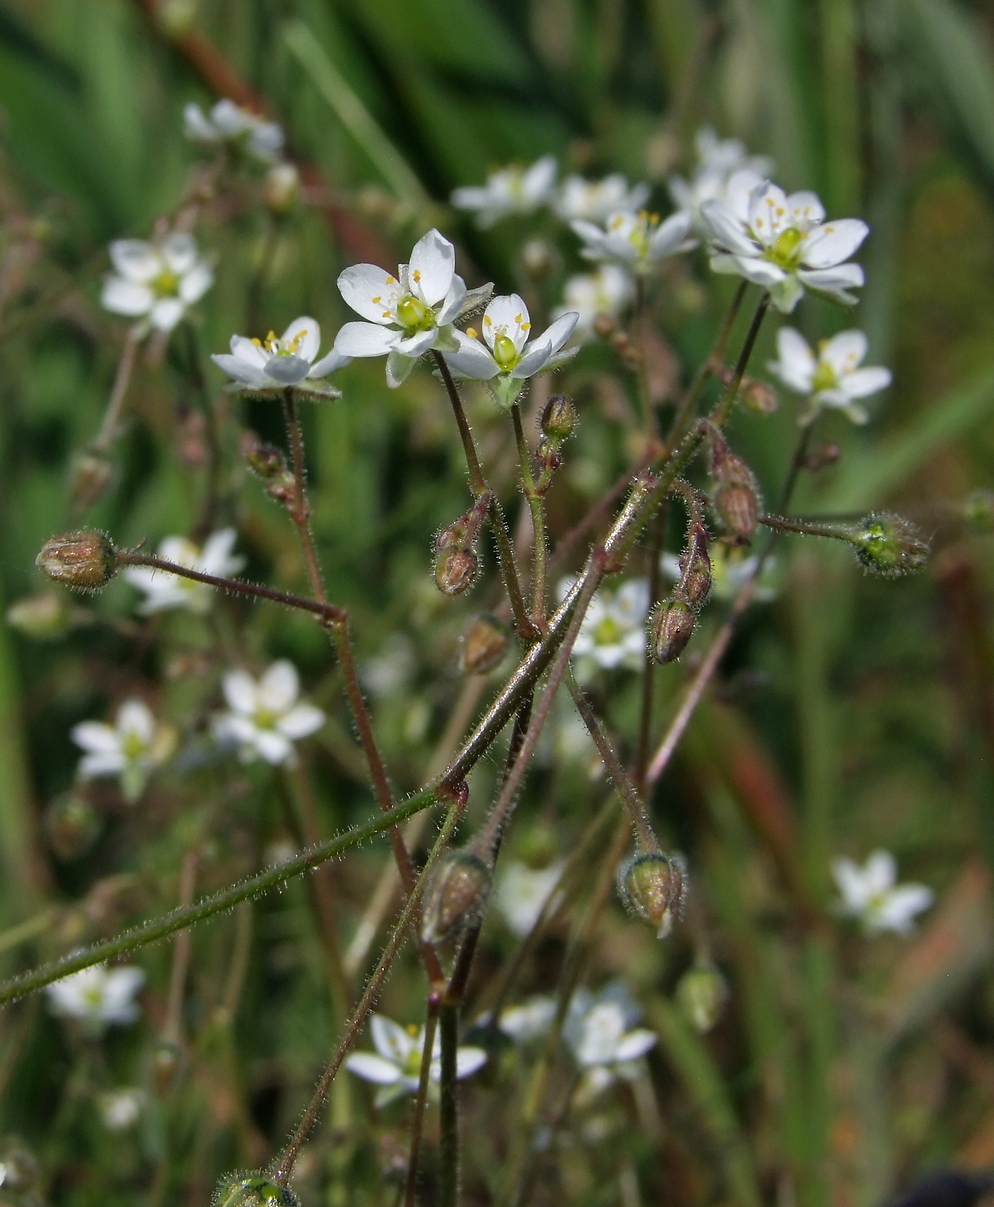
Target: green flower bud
(888, 545)
(456, 570)
(977, 510)
(701, 993)
(71, 824)
(85, 561)
(559, 418)
(483, 646)
(458, 892)
(653, 887)
(252, 1190)
(671, 624)
(280, 188)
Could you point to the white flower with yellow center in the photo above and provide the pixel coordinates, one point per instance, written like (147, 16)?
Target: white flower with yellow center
(396, 1065)
(514, 189)
(717, 160)
(130, 749)
(871, 894)
(506, 354)
(613, 630)
(156, 282)
(638, 242)
(609, 290)
(164, 591)
(600, 1033)
(783, 242)
(274, 364)
(98, 996)
(407, 314)
(263, 718)
(597, 200)
(241, 129)
(830, 377)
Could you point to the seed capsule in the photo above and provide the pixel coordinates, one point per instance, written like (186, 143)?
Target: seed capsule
(736, 504)
(252, 1190)
(71, 824)
(653, 886)
(702, 993)
(455, 570)
(760, 398)
(83, 560)
(559, 417)
(888, 545)
(457, 895)
(483, 646)
(695, 583)
(670, 627)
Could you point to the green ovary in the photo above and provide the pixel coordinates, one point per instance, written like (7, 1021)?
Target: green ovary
(413, 314)
(607, 632)
(166, 284)
(133, 747)
(786, 251)
(505, 353)
(824, 378)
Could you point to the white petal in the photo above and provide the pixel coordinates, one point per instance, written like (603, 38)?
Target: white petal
(468, 1060)
(761, 272)
(432, 264)
(769, 214)
(328, 364)
(308, 332)
(454, 302)
(398, 369)
(195, 283)
(506, 315)
(472, 360)
(239, 369)
(806, 209)
(534, 360)
(634, 1044)
(864, 382)
(373, 1068)
(828, 245)
(179, 250)
(796, 366)
(135, 260)
(417, 344)
(852, 884)
(559, 332)
(390, 1039)
(844, 351)
(96, 737)
(249, 351)
(216, 557)
(166, 313)
(301, 721)
(538, 179)
(669, 236)
(196, 127)
(124, 297)
(833, 281)
(786, 294)
(880, 872)
(360, 284)
(240, 691)
(273, 746)
(287, 370)
(279, 686)
(901, 905)
(364, 339)
(135, 717)
(104, 763)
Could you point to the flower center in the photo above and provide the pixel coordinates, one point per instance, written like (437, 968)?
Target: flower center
(165, 284)
(505, 353)
(824, 377)
(413, 314)
(608, 632)
(265, 718)
(276, 347)
(132, 747)
(786, 251)
(641, 233)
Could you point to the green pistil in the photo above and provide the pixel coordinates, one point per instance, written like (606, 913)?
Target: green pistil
(608, 632)
(265, 718)
(824, 378)
(505, 353)
(132, 746)
(414, 315)
(786, 251)
(166, 284)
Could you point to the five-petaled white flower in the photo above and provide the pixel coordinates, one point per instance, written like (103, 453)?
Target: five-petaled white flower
(510, 190)
(164, 590)
(613, 630)
(871, 894)
(831, 377)
(717, 160)
(99, 996)
(120, 1109)
(783, 243)
(506, 355)
(407, 314)
(597, 200)
(264, 719)
(228, 123)
(601, 1034)
(130, 749)
(274, 364)
(636, 241)
(157, 281)
(608, 291)
(396, 1068)
(522, 892)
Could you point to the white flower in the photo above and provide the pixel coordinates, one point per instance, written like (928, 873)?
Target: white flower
(408, 314)
(597, 200)
(600, 1033)
(730, 571)
(521, 894)
(831, 378)
(120, 1109)
(613, 629)
(510, 190)
(717, 159)
(608, 290)
(264, 718)
(130, 749)
(529, 1021)
(98, 996)
(156, 281)
(240, 128)
(871, 894)
(506, 356)
(636, 241)
(783, 243)
(274, 364)
(397, 1066)
(164, 590)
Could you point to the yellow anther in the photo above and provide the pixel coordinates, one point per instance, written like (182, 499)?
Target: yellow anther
(417, 275)
(517, 319)
(526, 326)
(487, 321)
(257, 342)
(472, 333)
(391, 281)
(653, 219)
(377, 300)
(411, 1029)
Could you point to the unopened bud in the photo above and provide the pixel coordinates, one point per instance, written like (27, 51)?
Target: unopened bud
(43, 617)
(263, 459)
(978, 510)
(457, 896)
(604, 326)
(83, 560)
(72, 824)
(90, 478)
(736, 495)
(670, 627)
(653, 887)
(483, 646)
(702, 993)
(695, 583)
(559, 417)
(539, 259)
(760, 398)
(548, 457)
(455, 570)
(252, 1190)
(166, 1061)
(280, 188)
(888, 545)
(822, 457)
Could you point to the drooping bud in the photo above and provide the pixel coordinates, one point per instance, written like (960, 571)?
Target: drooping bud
(456, 898)
(888, 545)
(559, 418)
(604, 326)
(280, 188)
(671, 624)
(977, 510)
(263, 459)
(90, 478)
(455, 570)
(695, 583)
(43, 617)
(483, 646)
(653, 887)
(71, 824)
(702, 992)
(252, 1190)
(759, 397)
(822, 457)
(85, 561)
(736, 494)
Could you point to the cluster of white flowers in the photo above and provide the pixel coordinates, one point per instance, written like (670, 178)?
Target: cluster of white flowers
(396, 1065)
(612, 634)
(872, 896)
(717, 161)
(156, 282)
(230, 125)
(165, 591)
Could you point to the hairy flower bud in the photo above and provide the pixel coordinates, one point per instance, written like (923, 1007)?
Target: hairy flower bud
(280, 188)
(701, 993)
(252, 1190)
(83, 560)
(653, 886)
(90, 478)
(888, 545)
(671, 624)
(695, 583)
(822, 457)
(456, 898)
(736, 495)
(483, 646)
(548, 457)
(71, 824)
(455, 570)
(263, 459)
(559, 417)
(759, 397)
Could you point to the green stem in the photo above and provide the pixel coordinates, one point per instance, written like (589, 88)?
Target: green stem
(421, 1102)
(299, 509)
(536, 506)
(724, 409)
(448, 1195)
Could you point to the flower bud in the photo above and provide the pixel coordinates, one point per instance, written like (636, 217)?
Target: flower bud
(977, 510)
(455, 570)
(653, 886)
(760, 398)
(483, 646)
(263, 459)
(539, 259)
(71, 824)
(166, 1061)
(43, 617)
(83, 560)
(701, 993)
(888, 545)
(559, 417)
(280, 188)
(547, 456)
(695, 563)
(604, 326)
(670, 627)
(736, 495)
(456, 898)
(822, 457)
(90, 478)
(252, 1190)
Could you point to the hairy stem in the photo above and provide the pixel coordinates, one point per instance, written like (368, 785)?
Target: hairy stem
(536, 507)
(724, 409)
